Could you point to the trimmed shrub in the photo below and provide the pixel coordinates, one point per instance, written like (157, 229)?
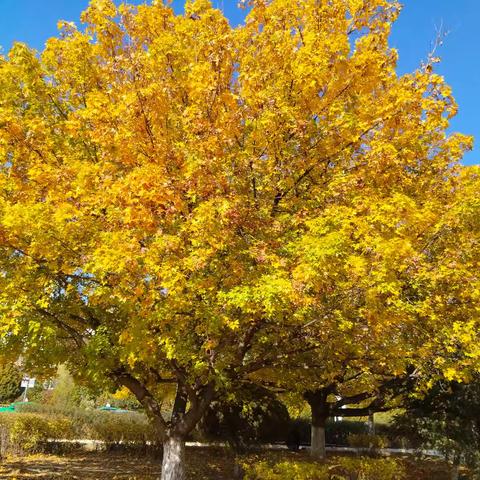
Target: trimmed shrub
(120, 429)
(80, 418)
(29, 432)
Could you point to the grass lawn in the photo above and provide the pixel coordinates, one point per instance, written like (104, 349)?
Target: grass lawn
(203, 464)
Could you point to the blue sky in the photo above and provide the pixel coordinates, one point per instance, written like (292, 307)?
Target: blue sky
(33, 21)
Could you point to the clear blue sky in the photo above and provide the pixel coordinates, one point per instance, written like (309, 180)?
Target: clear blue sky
(33, 21)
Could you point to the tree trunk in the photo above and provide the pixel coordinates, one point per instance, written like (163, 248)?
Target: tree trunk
(317, 449)
(173, 464)
(182, 423)
(320, 409)
(454, 472)
(371, 423)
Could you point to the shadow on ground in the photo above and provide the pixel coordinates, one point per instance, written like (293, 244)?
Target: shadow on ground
(211, 464)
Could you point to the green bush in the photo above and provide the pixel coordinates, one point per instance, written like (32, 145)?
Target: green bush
(343, 468)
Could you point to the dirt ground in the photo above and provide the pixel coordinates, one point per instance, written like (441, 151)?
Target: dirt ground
(202, 464)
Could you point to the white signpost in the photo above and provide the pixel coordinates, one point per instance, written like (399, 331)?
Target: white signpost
(27, 383)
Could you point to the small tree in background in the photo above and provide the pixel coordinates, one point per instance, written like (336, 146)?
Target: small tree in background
(447, 419)
(10, 380)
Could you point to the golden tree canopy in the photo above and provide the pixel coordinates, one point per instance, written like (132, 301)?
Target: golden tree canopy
(183, 200)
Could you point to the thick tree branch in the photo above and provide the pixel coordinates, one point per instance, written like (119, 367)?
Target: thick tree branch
(144, 396)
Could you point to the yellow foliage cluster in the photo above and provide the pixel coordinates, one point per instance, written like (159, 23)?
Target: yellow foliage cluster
(342, 468)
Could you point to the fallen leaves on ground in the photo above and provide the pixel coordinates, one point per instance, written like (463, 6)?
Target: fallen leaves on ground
(202, 464)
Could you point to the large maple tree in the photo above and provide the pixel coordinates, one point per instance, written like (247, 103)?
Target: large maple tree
(186, 202)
